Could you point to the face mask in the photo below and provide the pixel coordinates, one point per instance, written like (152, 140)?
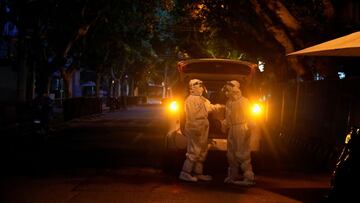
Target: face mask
(226, 90)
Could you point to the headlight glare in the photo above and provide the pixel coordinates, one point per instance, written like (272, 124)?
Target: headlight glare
(173, 106)
(256, 109)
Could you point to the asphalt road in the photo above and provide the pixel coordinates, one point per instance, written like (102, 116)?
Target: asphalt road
(118, 157)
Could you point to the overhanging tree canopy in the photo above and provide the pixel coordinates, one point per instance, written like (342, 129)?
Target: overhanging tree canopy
(135, 36)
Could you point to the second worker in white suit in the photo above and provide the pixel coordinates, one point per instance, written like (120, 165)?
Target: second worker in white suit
(197, 108)
(238, 141)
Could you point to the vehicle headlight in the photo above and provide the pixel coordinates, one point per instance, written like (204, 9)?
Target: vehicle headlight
(256, 109)
(173, 106)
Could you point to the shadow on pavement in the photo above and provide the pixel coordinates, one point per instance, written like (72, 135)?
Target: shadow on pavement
(309, 195)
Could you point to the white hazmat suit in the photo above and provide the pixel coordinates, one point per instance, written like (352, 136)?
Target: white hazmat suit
(197, 108)
(238, 141)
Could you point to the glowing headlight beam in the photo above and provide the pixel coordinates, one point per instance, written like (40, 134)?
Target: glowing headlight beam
(256, 109)
(173, 106)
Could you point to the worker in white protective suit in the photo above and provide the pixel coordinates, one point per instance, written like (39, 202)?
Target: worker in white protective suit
(197, 108)
(238, 141)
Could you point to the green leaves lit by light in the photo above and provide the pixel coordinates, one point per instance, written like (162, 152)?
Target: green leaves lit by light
(211, 53)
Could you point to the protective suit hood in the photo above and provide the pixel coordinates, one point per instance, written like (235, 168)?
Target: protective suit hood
(196, 87)
(232, 89)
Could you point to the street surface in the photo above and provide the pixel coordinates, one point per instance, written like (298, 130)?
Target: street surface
(118, 157)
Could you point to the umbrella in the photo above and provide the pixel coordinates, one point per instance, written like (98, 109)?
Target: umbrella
(348, 45)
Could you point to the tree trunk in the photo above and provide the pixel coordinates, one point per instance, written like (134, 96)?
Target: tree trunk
(280, 34)
(31, 83)
(98, 81)
(117, 88)
(68, 86)
(21, 83)
(22, 74)
(131, 86)
(48, 88)
(67, 77)
(328, 9)
(284, 15)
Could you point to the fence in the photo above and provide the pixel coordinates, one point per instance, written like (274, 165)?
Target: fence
(314, 116)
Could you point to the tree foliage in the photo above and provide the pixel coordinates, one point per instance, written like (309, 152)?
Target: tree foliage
(144, 39)
(264, 29)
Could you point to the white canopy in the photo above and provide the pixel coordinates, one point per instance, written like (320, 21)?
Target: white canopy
(348, 45)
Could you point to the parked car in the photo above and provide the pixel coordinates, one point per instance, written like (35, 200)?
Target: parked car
(214, 73)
